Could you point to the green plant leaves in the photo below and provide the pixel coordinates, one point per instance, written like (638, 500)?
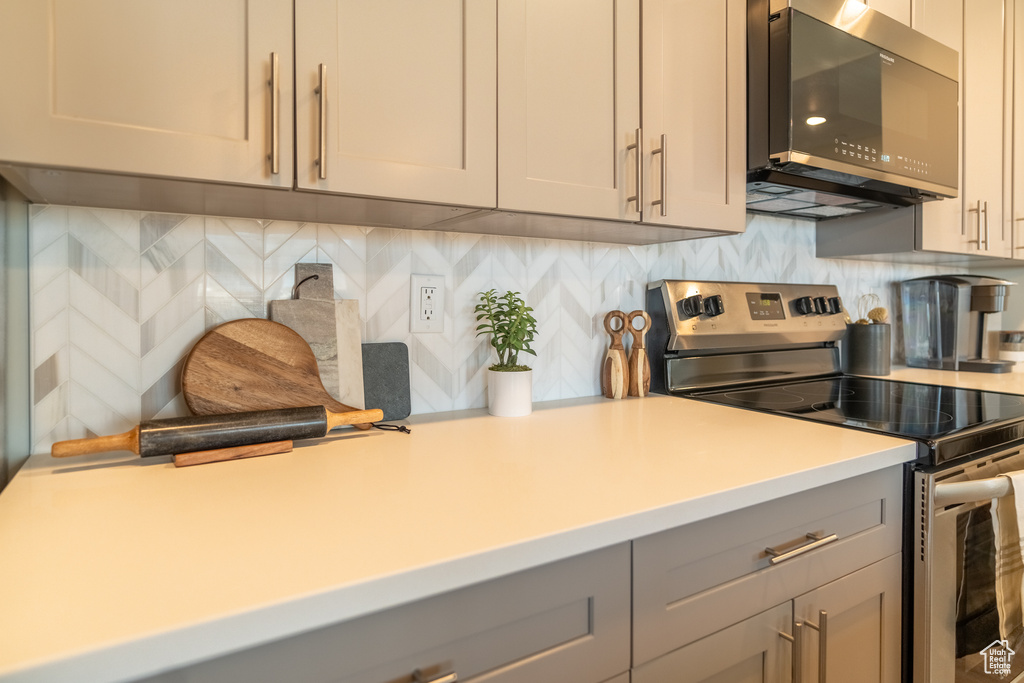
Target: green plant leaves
(508, 321)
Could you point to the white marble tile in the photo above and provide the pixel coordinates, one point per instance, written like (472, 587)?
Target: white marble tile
(92, 410)
(47, 225)
(51, 299)
(105, 280)
(49, 337)
(48, 264)
(287, 244)
(239, 243)
(166, 253)
(99, 380)
(225, 281)
(88, 337)
(175, 283)
(172, 348)
(224, 305)
(48, 414)
(116, 248)
(91, 305)
(185, 306)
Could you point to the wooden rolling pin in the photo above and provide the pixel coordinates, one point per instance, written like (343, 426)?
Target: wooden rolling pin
(191, 434)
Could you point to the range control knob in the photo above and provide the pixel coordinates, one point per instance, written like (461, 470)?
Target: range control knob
(820, 305)
(835, 305)
(692, 306)
(713, 305)
(804, 305)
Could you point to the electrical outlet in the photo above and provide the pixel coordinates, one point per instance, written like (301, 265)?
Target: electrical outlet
(426, 303)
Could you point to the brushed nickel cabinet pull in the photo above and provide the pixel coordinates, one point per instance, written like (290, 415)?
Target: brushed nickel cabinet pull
(321, 92)
(985, 211)
(977, 211)
(638, 146)
(275, 122)
(417, 677)
(815, 542)
(663, 151)
(822, 628)
(1013, 234)
(796, 639)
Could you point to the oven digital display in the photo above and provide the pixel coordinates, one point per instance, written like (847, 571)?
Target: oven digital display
(765, 306)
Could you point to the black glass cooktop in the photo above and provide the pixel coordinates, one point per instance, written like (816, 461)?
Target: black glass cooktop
(952, 420)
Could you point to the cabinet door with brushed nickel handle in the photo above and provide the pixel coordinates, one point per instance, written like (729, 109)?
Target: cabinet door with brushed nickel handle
(191, 90)
(396, 99)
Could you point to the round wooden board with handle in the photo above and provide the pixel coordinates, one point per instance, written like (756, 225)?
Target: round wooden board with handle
(253, 364)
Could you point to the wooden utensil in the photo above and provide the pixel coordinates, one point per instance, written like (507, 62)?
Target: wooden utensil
(234, 453)
(615, 368)
(190, 434)
(639, 363)
(253, 364)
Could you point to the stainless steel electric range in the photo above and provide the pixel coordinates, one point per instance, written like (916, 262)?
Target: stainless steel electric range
(774, 348)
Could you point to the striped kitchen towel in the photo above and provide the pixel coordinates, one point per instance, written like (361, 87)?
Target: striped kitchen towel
(1007, 521)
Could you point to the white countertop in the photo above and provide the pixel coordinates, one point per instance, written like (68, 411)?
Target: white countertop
(116, 567)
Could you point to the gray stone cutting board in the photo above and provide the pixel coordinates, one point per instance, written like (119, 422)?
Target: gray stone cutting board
(386, 379)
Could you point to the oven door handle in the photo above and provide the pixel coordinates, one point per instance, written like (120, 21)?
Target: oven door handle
(958, 492)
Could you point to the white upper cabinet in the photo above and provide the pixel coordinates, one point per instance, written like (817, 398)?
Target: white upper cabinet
(983, 90)
(943, 228)
(399, 98)
(1014, 170)
(182, 89)
(568, 107)
(694, 110)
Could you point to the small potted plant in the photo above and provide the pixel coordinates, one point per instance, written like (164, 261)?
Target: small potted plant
(508, 321)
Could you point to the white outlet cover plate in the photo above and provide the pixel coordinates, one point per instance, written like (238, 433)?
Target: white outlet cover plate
(426, 315)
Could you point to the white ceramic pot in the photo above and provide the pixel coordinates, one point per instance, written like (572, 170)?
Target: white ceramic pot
(510, 394)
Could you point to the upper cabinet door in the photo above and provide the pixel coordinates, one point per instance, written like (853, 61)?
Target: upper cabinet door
(694, 111)
(183, 89)
(399, 98)
(942, 222)
(983, 88)
(569, 107)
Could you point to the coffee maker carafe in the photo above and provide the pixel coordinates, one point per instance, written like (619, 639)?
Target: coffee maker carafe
(944, 321)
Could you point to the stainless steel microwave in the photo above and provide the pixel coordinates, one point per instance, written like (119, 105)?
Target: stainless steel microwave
(848, 110)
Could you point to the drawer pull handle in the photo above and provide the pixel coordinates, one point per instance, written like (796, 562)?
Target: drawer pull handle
(663, 151)
(816, 542)
(417, 677)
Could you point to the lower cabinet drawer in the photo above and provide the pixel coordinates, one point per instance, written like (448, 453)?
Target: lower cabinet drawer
(697, 579)
(566, 621)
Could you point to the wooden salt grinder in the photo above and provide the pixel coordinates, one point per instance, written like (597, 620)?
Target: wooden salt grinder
(639, 363)
(614, 369)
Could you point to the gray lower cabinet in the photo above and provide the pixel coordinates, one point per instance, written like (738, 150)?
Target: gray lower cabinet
(737, 597)
(751, 651)
(566, 621)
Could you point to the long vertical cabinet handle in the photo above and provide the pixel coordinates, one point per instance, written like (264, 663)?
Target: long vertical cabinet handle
(977, 211)
(275, 119)
(795, 639)
(663, 151)
(1013, 234)
(985, 211)
(822, 628)
(321, 92)
(639, 147)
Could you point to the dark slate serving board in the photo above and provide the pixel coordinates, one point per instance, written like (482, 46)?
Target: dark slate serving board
(386, 379)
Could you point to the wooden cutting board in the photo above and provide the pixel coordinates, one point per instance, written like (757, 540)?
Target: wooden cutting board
(253, 364)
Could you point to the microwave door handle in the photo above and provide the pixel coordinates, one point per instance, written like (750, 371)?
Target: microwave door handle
(957, 492)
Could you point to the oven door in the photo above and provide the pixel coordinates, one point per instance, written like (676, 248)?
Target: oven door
(955, 625)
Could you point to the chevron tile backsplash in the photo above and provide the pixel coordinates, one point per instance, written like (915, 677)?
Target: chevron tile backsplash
(119, 297)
